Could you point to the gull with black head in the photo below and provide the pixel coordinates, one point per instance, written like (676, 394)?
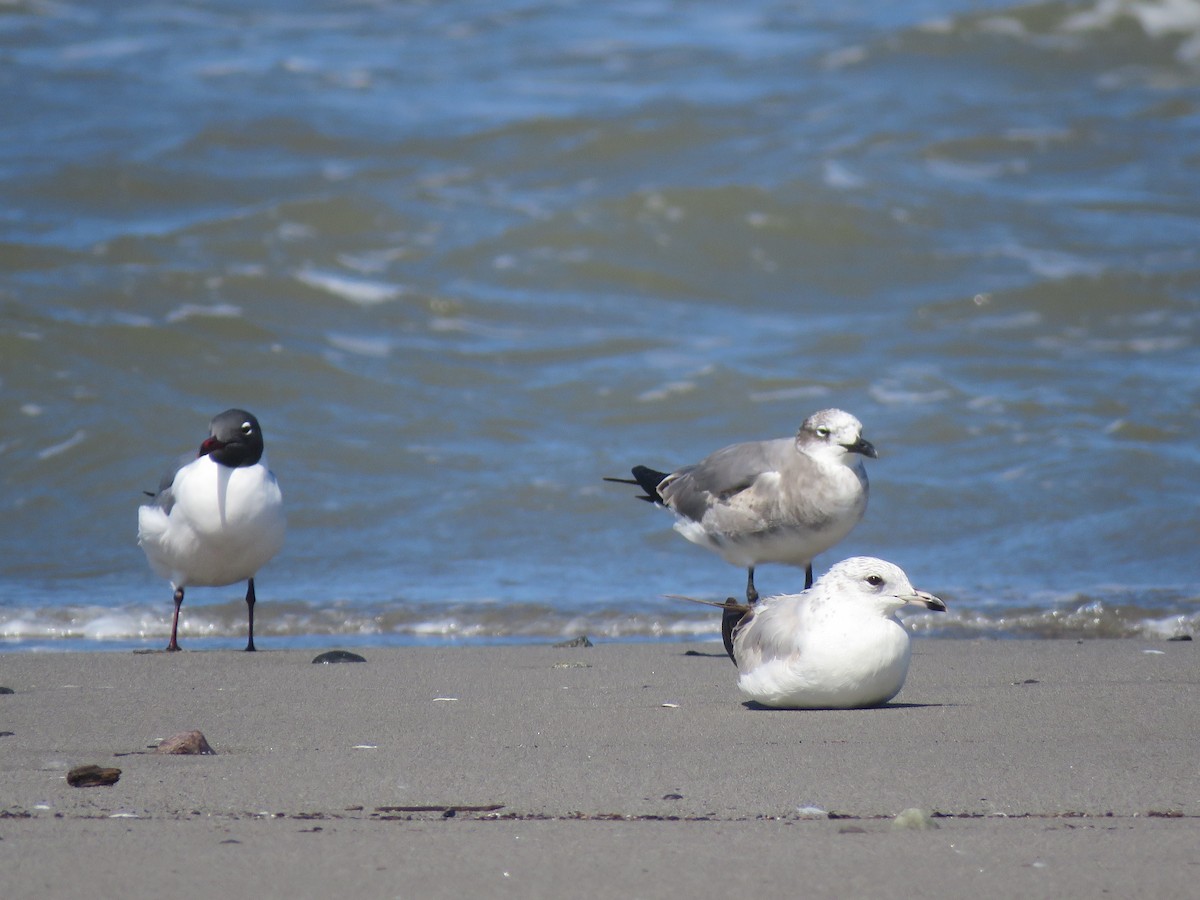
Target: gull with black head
(217, 518)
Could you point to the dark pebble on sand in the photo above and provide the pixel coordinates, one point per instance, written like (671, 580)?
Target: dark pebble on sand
(4, 690)
(92, 776)
(186, 743)
(581, 641)
(1178, 637)
(338, 656)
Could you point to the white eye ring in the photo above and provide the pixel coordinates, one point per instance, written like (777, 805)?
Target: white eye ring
(247, 428)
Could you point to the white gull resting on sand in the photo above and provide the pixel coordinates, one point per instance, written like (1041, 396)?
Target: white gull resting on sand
(838, 645)
(217, 519)
(783, 501)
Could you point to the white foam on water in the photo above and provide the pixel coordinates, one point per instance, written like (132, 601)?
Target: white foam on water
(360, 345)
(62, 447)
(199, 311)
(358, 291)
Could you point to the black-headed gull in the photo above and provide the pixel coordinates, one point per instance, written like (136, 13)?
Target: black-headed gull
(217, 519)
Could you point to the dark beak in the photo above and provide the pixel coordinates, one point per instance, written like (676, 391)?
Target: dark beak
(866, 448)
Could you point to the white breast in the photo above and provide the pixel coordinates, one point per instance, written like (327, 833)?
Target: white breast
(225, 524)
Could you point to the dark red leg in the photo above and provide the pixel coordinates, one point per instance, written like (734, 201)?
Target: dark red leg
(174, 645)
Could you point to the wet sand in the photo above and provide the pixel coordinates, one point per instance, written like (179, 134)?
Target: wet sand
(1052, 768)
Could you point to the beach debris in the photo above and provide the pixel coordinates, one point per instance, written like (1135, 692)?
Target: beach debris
(445, 699)
(581, 641)
(672, 796)
(92, 776)
(1178, 637)
(338, 656)
(365, 747)
(186, 743)
(8, 690)
(571, 665)
(670, 706)
(447, 811)
(914, 819)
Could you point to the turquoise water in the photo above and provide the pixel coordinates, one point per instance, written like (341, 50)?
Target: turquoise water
(462, 260)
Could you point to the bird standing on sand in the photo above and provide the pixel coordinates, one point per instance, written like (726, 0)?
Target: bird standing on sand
(784, 501)
(838, 645)
(217, 519)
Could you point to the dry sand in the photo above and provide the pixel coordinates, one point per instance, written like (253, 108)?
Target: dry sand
(1054, 768)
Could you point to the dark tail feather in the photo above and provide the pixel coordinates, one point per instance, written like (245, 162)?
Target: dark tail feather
(647, 479)
(732, 616)
(731, 620)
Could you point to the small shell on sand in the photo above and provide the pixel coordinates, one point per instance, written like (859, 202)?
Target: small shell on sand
(915, 820)
(581, 641)
(338, 656)
(186, 742)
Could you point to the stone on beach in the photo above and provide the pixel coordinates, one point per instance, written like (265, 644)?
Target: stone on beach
(186, 743)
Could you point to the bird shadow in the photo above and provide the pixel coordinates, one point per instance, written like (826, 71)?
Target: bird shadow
(755, 705)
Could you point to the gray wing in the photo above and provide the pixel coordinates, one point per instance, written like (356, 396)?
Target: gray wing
(693, 490)
(769, 631)
(164, 497)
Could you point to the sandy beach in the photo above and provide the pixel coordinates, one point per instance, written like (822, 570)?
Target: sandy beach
(1051, 768)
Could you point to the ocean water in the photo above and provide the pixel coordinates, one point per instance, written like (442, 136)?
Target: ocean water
(463, 260)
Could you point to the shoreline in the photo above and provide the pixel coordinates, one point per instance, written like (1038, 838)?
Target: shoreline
(597, 753)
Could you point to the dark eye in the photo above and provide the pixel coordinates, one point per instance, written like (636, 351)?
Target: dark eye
(247, 428)
(822, 431)
(875, 580)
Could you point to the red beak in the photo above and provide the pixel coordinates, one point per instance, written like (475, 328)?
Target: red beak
(210, 444)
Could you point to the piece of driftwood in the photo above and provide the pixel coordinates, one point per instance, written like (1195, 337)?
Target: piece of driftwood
(92, 776)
